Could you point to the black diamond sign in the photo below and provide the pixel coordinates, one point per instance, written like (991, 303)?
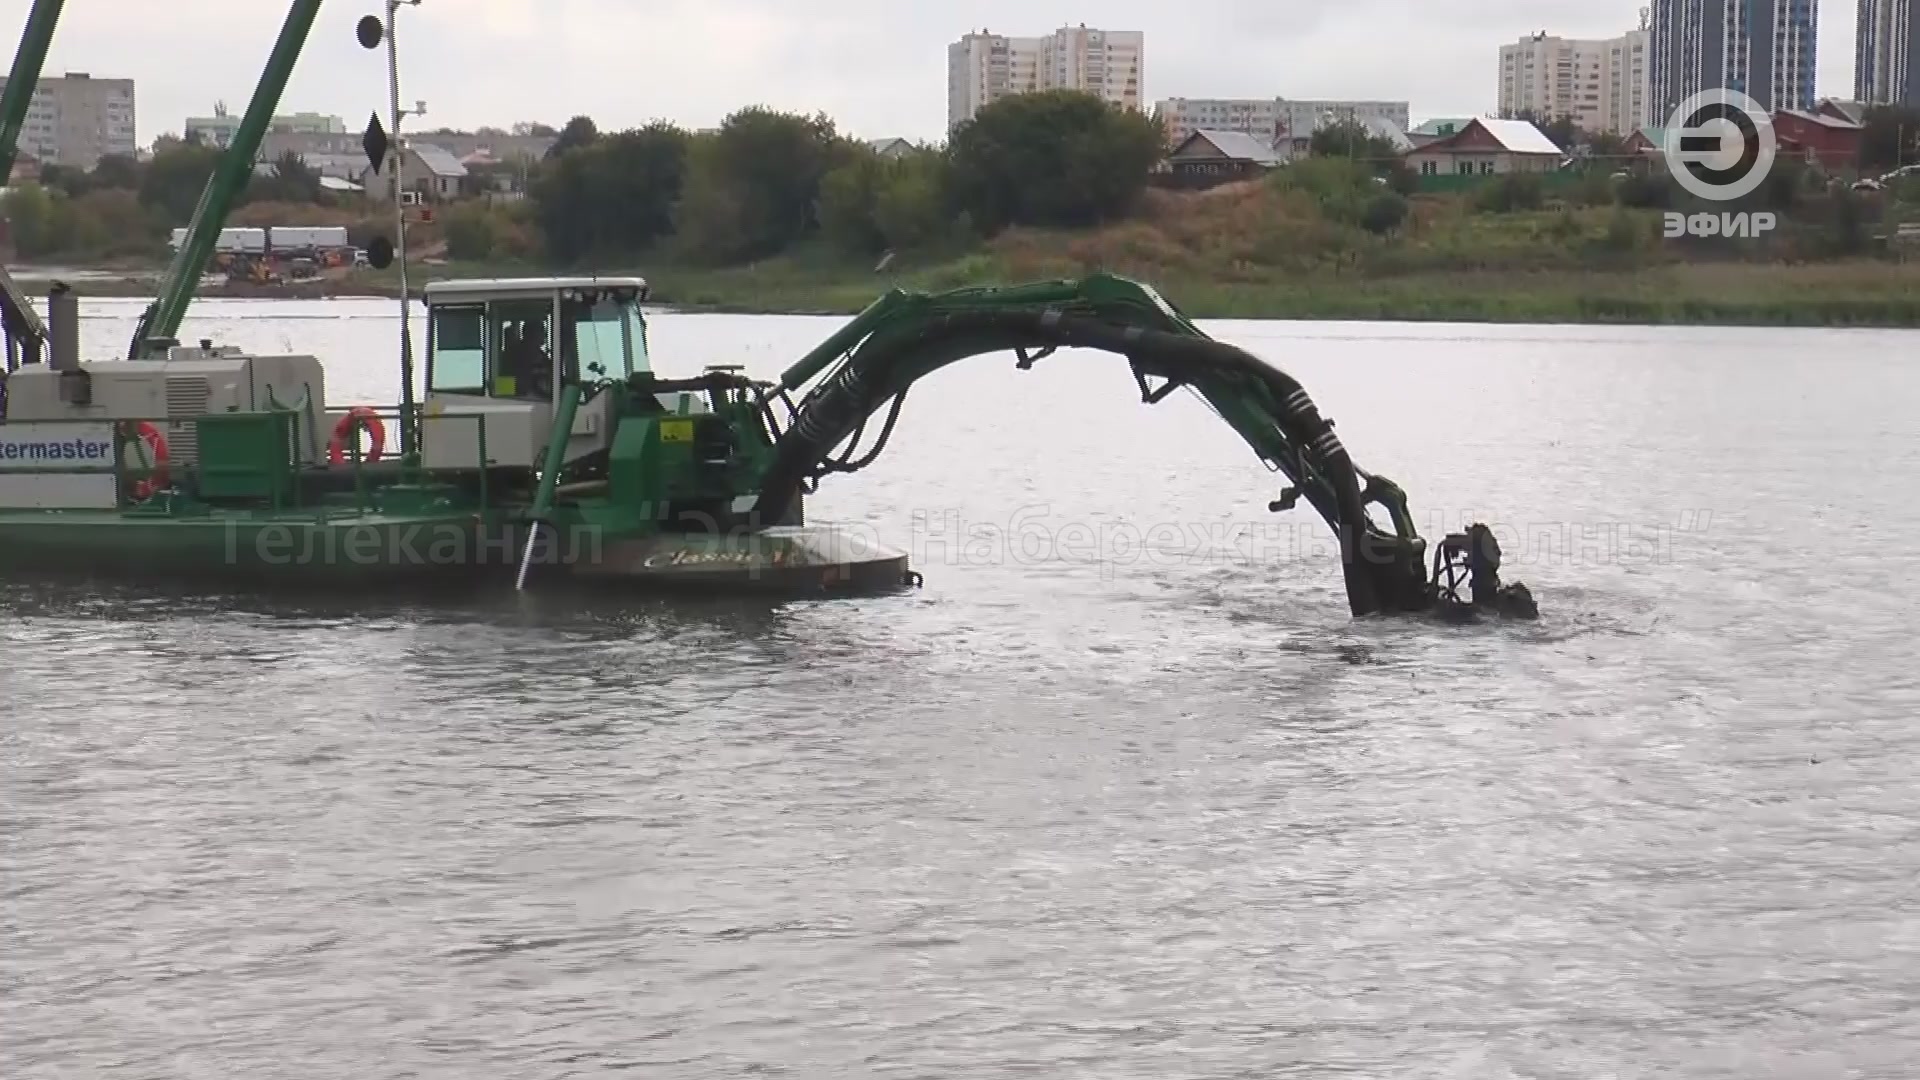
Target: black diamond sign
(376, 143)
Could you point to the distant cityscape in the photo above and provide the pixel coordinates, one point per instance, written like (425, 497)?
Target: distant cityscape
(1619, 86)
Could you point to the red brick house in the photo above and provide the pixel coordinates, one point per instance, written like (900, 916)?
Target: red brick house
(1829, 141)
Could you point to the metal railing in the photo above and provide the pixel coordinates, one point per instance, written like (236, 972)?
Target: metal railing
(117, 448)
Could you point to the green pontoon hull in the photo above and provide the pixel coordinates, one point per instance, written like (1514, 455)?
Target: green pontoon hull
(387, 551)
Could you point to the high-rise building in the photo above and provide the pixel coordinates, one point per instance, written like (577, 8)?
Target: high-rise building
(983, 68)
(1599, 84)
(1762, 48)
(1886, 66)
(76, 120)
(1629, 81)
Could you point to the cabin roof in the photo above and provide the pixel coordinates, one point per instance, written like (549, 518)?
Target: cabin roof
(480, 288)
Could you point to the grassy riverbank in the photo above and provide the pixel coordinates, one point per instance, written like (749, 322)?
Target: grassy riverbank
(1261, 251)
(1826, 294)
(1855, 293)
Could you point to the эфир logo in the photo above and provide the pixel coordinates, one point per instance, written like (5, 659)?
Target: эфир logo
(1720, 146)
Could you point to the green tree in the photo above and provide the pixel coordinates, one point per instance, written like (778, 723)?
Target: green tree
(754, 187)
(65, 179)
(1513, 191)
(40, 220)
(289, 180)
(614, 196)
(872, 204)
(1606, 145)
(1057, 158)
(1645, 191)
(1891, 139)
(117, 171)
(175, 178)
(1353, 140)
(579, 132)
(111, 221)
(1341, 188)
(848, 198)
(1384, 213)
(468, 228)
(913, 205)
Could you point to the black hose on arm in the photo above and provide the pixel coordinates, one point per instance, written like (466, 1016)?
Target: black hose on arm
(1383, 572)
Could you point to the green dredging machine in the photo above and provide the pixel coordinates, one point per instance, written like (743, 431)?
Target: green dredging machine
(546, 439)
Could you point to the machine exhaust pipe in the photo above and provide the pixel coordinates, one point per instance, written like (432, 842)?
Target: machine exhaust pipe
(63, 328)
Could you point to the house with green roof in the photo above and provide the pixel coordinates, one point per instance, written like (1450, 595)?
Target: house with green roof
(1435, 130)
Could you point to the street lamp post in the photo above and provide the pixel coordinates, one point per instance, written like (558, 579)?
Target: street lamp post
(408, 433)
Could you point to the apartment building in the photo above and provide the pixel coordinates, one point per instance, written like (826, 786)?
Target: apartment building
(76, 120)
(1629, 81)
(1886, 66)
(1601, 84)
(1274, 121)
(220, 128)
(984, 67)
(1762, 48)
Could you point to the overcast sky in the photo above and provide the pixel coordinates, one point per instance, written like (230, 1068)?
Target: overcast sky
(877, 66)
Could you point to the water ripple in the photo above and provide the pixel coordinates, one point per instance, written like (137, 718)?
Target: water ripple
(1120, 808)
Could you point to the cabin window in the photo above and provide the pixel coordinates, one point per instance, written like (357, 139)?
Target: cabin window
(456, 352)
(599, 340)
(521, 333)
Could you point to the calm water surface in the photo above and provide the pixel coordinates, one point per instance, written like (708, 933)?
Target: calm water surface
(1122, 792)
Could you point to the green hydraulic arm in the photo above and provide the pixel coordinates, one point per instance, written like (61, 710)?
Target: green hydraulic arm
(24, 334)
(903, 337)
(24, 78)
(161, 321)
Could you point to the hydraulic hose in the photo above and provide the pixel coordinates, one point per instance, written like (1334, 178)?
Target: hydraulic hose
(1267, 407)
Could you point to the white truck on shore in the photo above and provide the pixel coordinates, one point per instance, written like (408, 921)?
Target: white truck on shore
(277, 240)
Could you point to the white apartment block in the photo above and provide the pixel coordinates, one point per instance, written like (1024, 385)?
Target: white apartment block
(1629, 83)
(984, 67)
(1272, 120)
(1602, 85)
(219, 129)
(76, 120)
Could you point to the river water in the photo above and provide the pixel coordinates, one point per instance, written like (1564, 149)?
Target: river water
(1122, 792)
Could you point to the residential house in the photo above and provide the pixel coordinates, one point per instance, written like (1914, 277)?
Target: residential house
(1648, 142)
(890, 148)
(427, 171)
(1853, 112)
(1828, 141)
(1435, 130)
(1206, 158)
(1487, 147)
(530, 148)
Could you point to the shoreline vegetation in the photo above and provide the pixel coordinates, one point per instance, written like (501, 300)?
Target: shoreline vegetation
(1860, 293)
(776, 213)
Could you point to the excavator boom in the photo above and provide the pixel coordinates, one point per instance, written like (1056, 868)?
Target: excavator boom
(903, 337)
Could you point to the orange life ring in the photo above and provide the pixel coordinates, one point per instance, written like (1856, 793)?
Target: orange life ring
(358, 416)
(157, 446)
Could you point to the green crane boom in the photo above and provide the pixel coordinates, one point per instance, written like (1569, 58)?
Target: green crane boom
(903, 337)
(161, 321)
(24, 78)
